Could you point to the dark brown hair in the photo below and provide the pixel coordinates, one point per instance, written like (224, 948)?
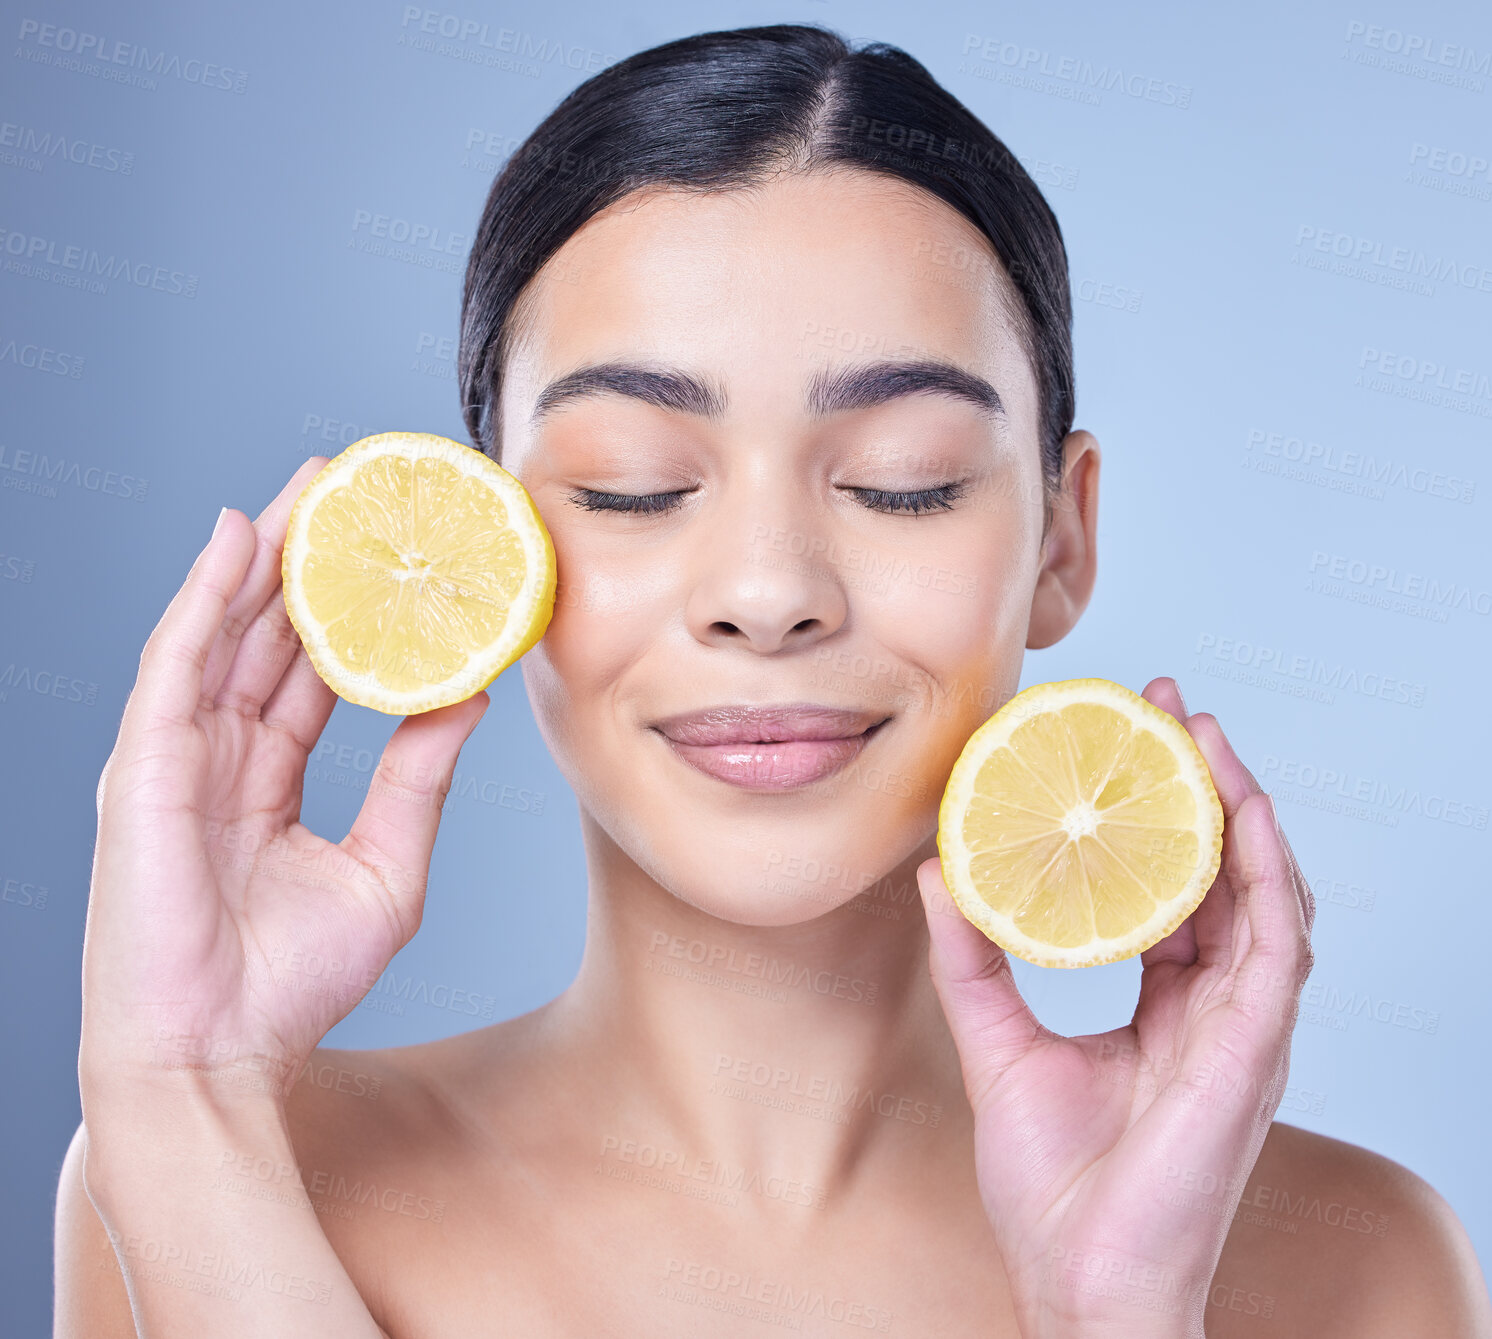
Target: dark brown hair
(723, 110)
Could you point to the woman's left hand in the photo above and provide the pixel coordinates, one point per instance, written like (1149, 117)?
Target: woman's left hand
(1110, 1165)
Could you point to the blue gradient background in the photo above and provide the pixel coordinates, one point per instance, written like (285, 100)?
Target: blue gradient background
(1200, 330)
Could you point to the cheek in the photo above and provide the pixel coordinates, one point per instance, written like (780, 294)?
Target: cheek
(959, 618)
(595, 630)
(609, 608)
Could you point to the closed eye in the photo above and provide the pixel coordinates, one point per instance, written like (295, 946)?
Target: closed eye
(913, 503)
(633, 502)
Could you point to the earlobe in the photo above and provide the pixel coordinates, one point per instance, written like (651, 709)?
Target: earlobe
(1069, 559)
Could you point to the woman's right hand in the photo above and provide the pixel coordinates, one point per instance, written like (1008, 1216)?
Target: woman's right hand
(225, 938)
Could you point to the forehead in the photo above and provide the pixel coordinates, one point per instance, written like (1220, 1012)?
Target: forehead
(762, 286)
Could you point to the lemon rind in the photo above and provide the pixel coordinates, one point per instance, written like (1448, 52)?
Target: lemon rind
(954, 854)
(528, 616)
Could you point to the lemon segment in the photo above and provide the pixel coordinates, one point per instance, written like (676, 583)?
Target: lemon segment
(416, 570)
(1079, 825)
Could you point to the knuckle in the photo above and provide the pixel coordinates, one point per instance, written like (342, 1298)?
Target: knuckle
(103, 781)
(235, 625)
(149, 651)
(178, 651)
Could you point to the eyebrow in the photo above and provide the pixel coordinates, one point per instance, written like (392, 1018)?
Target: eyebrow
(867, 384)
(829, 392)
(666, 388)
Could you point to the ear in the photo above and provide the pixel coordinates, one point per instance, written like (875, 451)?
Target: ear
(1069, 556)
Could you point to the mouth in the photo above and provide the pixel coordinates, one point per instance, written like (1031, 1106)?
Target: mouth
(770, 748)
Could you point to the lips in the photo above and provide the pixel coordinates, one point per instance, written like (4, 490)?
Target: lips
(771, 747)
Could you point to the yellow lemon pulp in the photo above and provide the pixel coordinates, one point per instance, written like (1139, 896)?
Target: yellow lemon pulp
(1080, 825)
(416, 570)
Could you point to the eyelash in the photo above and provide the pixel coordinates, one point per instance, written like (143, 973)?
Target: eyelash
(915, 503)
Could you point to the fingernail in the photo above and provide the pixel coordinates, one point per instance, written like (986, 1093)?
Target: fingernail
(218, 524)
(1274, 814)
(1181, 699)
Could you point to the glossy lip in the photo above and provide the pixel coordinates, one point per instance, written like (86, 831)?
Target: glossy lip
(777, 747)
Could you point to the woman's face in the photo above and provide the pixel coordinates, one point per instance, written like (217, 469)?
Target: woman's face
(759, 369)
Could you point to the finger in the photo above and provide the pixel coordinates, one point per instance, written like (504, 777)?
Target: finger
(269, 649)
(991, 1023)
(1180, 946)
(1234, 783)
(1165, 693)
(255, 602)
(395, 829)
(1302, 886)
(302, 702)
(169, 685)
(1278, 957)
(1215, 922)
(1235, 1058)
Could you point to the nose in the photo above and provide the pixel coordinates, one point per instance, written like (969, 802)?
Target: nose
(767, 580)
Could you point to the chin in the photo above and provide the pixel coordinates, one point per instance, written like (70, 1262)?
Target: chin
(772, 906)
(768, 885)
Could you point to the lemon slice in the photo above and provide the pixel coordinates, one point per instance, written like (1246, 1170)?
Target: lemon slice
(415, 570)
(1079, 825)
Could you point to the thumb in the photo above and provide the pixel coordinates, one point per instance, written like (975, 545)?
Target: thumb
(991, 1023)
(395, 828)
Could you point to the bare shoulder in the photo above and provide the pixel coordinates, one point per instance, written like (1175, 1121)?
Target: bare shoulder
(379, 1147)
(405, 1155)
(1332, 1239)
(90, 1300)
(388, 1107)
(387, 1130)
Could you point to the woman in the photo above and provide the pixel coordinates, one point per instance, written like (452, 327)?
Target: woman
(777, 335)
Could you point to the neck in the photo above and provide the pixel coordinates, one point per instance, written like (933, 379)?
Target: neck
(792, 1060)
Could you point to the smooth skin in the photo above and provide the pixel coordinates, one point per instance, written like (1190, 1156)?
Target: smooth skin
(788, 1078)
